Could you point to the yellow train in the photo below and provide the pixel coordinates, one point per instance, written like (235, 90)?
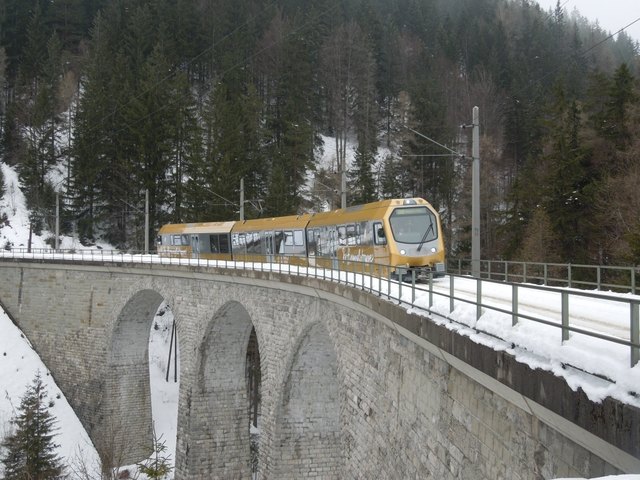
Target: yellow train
(389, 237)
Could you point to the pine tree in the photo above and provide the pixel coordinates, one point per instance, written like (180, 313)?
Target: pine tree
(158, 466)
(30, 450)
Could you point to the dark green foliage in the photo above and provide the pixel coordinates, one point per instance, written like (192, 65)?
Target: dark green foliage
(30, 449)
(184, 99)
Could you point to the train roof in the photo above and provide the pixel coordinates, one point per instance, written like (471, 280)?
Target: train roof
(274, 223)
(368, 211)
(192, 228)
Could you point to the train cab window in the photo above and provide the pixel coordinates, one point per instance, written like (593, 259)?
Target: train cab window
(379, 236)
(415, 225)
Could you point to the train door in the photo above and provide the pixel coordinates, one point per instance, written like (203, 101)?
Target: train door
(195, 246)
(333, 233)
(269, 247)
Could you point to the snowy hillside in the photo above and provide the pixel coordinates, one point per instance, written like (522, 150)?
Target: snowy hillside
(19, 364)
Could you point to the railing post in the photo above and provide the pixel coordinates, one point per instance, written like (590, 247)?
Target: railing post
(413, 286)
(633, 280)
(489, 269)
(430, 290)
(635, 332)
(459, 266)
(546, 274)
(451, 290)
(389, 283)
(514, 304)
(506, 271)
(598, 274)
(478, 299)
(524, 272)
(400, 286)
(565, 316)
(569, 275)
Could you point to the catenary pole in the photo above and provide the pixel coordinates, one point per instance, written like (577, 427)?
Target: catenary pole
(146, 221)
(242, 199)
(343, 185)
(475, 195)
(57, 241)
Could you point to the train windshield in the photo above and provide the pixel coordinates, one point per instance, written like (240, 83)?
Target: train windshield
(413, 225)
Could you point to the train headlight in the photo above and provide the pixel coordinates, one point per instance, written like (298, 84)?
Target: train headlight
(403, 252)
(434, 249)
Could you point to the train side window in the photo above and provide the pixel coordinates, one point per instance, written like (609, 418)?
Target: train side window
(176, 240)
(298, 238)
(342, 235)
(223, 241)
(378, 234)
(351, 234)
(242, 242)
(214, 243)
(288, 238)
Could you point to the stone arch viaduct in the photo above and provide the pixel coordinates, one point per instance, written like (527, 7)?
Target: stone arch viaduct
(352, 385)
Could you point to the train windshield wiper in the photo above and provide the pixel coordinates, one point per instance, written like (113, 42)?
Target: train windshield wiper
(426, 234)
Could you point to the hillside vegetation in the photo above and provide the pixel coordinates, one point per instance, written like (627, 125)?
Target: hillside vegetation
(104, 100)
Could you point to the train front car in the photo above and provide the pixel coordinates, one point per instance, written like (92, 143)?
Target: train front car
(388, 238)
(207, 240)
(414, 237)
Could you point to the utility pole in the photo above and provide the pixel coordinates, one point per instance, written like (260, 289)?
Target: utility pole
(57, 240)
(146, 221)
(343, 185)
(242, 199)
(475, 195)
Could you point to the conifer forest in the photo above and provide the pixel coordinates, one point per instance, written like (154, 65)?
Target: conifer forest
(105, 100)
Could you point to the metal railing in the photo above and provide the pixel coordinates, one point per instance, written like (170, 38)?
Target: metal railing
(375, 279)
(569, 275)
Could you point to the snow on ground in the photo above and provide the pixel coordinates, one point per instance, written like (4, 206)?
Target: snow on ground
(15, 232)
(539, 345)
(19, 364)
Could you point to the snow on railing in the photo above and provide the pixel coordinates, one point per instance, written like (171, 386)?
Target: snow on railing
(489, 307)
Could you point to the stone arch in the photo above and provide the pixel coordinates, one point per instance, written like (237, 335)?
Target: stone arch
(219, 442)
(125, 423)
(308, 433)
